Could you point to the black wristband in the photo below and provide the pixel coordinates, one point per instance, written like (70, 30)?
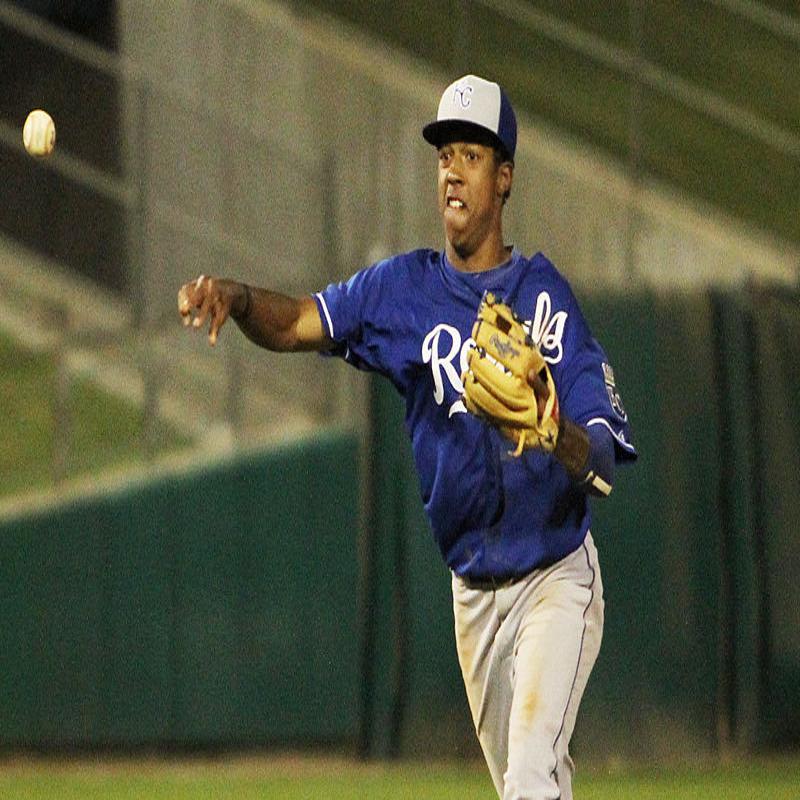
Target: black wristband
(248, 304)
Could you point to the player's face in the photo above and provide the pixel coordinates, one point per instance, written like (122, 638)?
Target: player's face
(470, 192)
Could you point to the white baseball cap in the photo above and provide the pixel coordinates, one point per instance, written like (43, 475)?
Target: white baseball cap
(472, 105)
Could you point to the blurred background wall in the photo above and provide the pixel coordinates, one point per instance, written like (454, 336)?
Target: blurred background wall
(658, 166)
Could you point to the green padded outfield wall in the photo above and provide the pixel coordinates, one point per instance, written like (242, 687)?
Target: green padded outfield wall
(213, 608)
(418, 705)
(655, 684)
(701, 644)
(759, 360)
(233, 605)
(775, 383)
(743, 579)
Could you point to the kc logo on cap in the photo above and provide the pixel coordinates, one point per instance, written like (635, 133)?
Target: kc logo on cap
(462, 96)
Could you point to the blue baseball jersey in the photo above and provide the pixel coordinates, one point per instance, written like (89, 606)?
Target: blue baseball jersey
(410, 319)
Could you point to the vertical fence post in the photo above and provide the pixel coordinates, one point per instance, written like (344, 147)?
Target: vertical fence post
(62, 412)
(136, 167)
(151, 385)
(635, 111)
(235, 389)
(727, 633)
(461, 53)
(138, 250)
(755, 329)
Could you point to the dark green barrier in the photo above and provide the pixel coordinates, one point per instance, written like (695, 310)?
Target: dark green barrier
(741, 648)
(775, 388)
(384, 584)
(217, 607)
(655, 687)
(759, 342)
(437, 716)
(220, 607)
(418, 704)
(697, 542)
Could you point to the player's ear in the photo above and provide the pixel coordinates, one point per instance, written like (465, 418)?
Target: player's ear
(505, 177)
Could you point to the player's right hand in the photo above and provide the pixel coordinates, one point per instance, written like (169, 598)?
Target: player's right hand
(209, 299)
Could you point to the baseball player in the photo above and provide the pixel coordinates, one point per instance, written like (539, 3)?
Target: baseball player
(514, 418)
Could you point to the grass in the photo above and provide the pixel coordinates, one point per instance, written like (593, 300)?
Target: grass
(746, 780)
(335, 781)
(307, 778)
(104, 431)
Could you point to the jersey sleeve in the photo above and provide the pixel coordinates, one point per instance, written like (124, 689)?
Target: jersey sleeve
(351, 314)
(587, 387)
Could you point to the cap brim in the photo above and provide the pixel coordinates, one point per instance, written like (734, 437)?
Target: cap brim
(458, 130)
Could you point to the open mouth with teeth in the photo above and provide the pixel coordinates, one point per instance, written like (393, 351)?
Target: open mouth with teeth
(454, 202)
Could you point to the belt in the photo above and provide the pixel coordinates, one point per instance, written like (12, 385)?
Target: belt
(492, 583)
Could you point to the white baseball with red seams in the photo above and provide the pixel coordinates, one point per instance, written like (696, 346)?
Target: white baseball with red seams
(39, 133)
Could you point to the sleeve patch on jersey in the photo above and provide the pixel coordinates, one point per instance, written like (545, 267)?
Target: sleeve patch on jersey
(614, 396)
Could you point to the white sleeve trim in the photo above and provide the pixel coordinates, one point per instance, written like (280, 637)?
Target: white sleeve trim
(326, 312)
(619, 437)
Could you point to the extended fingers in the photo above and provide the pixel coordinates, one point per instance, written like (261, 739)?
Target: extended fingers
(205, 300)
(184, 304)
(190, 297)
(219, 314)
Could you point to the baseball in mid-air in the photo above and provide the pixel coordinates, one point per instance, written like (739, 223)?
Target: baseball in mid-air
(39, 133)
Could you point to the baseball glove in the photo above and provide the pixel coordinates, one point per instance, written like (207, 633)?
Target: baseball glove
(496, 384)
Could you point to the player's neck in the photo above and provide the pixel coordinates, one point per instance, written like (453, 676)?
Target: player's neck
(489, 254)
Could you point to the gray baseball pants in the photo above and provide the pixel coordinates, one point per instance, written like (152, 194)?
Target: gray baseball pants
(526, 652)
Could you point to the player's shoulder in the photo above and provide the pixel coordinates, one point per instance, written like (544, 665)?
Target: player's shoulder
(546, 275)
(391, 276)
(544, 267)
(409, 262)
(414, 261)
